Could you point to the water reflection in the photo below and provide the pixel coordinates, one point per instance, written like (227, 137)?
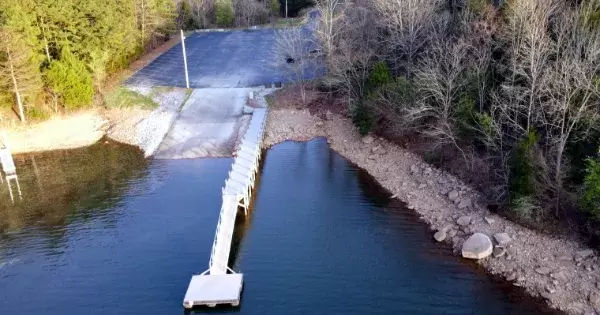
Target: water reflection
(57, 184)
(103, 231)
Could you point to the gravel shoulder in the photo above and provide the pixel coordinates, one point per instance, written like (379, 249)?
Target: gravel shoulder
(561, 271)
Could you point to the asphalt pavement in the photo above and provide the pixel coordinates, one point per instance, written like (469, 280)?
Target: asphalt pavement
(219, 59)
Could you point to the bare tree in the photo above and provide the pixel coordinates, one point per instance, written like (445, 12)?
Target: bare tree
(248, 12)
(409, 24)
(440, 79)
(573, 104)
(329, 27)
(530, 46)
(292, 54)
(354, 50)
(479, 32)
(202, 10)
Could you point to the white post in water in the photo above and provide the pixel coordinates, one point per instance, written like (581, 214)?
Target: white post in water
(187, 79)
(8, 167)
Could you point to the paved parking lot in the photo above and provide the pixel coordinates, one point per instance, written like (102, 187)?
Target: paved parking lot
(241, 58)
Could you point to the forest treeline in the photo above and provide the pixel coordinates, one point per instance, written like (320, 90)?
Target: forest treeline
(57, 55)
(196, 14)
(505, 94)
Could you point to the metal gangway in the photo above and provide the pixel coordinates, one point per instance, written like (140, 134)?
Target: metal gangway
(220, 284)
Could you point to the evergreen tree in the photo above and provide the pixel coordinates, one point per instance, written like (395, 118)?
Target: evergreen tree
(224, 13)
(19, 63)
(69, 78)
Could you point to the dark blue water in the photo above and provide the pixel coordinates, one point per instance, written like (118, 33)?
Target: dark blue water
(103, 231)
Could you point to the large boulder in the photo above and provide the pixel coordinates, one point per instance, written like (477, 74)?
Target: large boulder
(477, 246)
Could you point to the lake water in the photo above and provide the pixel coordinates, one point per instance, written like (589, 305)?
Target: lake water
(101, 230)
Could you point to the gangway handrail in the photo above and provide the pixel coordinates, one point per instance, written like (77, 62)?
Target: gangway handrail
(237, 189)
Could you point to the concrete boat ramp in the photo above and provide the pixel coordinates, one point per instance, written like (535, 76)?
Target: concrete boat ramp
(207, 126)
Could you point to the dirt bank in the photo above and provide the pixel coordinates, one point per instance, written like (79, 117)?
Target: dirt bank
(562, 271)
(60, 132)
(140, 127)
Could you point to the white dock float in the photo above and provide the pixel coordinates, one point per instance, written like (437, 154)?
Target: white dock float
(213, 290)
(220, 284)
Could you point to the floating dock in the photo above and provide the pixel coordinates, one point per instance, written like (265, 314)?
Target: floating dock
(221, 284)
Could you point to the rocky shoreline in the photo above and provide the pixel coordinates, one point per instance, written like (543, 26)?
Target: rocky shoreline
(144, 128)
(561, 271)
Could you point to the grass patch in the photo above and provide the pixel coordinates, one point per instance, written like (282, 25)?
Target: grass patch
(270, 100)
(289, 22)
(125, 98)
(37, 114)
(161, 89)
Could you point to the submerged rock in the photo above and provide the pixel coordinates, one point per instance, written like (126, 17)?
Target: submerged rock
(477, 246)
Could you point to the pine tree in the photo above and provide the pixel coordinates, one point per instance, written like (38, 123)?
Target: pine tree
(17, 71)
(69, 78)
(19, 63)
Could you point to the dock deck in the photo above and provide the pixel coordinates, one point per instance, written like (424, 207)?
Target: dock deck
(211, 290)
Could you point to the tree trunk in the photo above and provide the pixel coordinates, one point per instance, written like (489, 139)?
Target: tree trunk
(45, 40)
(557, 177)
(143, 23)
(15, 85)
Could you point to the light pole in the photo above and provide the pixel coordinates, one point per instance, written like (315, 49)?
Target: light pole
(187, 79)
(286, 9)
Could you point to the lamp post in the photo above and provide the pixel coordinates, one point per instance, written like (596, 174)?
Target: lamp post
(187, 79)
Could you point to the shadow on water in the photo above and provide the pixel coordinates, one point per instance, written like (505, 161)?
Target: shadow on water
(60, 186)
